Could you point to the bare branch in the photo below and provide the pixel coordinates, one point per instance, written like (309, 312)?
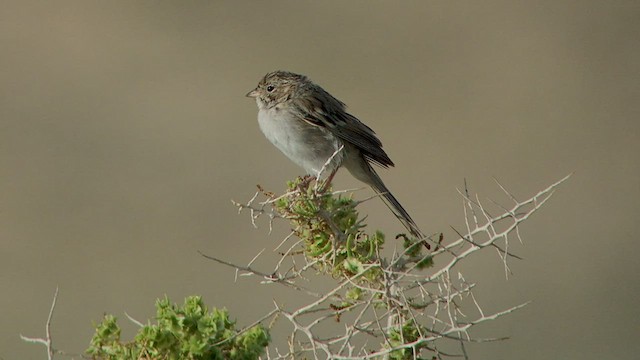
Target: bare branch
(405, 310)
(48, 340)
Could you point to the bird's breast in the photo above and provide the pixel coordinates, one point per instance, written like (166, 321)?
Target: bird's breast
(306, 145)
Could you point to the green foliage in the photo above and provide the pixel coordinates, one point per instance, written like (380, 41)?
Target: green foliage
(332, 231)
(190, 331)
(334, 235)
(414, 249)
(408, 333)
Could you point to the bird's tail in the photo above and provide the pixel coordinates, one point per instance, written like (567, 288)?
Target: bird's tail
(365, 173)
(394, 205)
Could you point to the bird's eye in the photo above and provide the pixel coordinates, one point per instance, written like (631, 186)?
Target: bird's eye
(270, 88)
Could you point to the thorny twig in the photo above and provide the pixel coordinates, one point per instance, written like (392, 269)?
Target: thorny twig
(411, 310)
(48, 340)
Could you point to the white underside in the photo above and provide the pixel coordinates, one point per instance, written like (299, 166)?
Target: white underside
(309, 146)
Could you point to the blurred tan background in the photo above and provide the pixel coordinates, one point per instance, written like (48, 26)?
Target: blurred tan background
(125, 133)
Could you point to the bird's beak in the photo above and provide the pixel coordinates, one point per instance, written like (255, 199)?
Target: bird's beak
(253, 93)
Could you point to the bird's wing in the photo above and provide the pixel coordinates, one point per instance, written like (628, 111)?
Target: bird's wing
(327, 112)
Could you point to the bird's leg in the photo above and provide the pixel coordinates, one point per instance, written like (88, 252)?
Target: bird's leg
(321, 187)
(327, 182)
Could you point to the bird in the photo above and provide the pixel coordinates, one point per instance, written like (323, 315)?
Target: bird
(314, 130)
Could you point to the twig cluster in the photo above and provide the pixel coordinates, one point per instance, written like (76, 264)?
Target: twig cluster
(412, 304)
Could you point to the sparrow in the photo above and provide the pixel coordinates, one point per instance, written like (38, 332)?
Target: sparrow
(314, 130)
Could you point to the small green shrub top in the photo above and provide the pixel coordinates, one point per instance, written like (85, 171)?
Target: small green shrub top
(189, 331)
